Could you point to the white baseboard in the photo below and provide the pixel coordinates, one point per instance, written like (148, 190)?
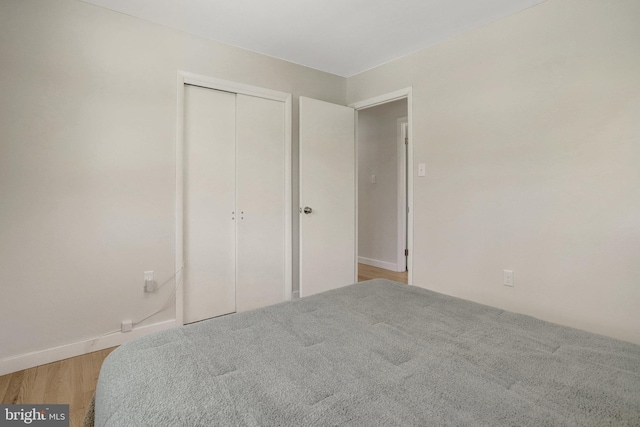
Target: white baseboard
(377, 263)
(41, 357)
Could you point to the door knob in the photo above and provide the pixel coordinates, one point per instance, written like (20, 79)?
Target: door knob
(307, 210)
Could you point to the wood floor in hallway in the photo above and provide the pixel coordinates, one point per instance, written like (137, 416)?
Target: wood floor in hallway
(368, 272)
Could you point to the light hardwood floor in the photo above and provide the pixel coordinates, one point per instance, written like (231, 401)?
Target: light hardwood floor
(70, 381)
(368, 272)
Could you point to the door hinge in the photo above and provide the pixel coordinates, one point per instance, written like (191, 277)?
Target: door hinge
(406, 252)
(406, 140)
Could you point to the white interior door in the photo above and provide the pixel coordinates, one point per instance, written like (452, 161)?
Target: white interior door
(327, 189)
(260, 202)
(209, 200)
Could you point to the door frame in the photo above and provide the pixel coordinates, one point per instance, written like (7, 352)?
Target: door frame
(405, 93)
(183, 78)
(402, 133)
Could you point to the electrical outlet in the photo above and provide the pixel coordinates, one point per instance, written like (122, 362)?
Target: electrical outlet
(149, 284)
(508, 278)
(126, 326)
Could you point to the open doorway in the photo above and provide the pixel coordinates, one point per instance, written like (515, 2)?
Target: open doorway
(382, 183)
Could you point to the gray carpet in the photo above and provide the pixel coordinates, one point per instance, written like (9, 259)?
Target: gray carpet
(375, 353)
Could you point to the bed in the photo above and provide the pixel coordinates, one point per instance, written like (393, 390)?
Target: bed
(372, 353)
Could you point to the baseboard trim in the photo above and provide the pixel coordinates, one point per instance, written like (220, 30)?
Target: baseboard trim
(377, 263)
(41, 357)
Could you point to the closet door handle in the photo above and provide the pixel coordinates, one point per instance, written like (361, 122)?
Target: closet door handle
(307, 210)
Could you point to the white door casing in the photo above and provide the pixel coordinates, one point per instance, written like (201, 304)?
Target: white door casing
(402, 125)
(382, 99)
(327, 187)
(282, 104)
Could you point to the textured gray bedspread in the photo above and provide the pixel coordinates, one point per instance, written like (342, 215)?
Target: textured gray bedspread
(372, 354)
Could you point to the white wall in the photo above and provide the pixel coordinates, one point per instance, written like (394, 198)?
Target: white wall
(531, 134)
(87, 162)
(378, 203)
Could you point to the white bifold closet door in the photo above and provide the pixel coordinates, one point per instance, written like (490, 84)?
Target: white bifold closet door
(260, 200)
(234, 177)
(209, 202)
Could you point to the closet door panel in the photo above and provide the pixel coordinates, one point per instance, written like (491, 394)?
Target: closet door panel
(209, 200)
(261, 202)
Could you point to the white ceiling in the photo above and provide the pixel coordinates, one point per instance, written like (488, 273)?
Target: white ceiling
(343, 37)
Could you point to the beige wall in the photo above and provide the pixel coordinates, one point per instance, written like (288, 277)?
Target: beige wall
(530, 130)
(87, 162)
(377, 147)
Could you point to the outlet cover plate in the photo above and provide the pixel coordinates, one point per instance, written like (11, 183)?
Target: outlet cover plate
(508, 278)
